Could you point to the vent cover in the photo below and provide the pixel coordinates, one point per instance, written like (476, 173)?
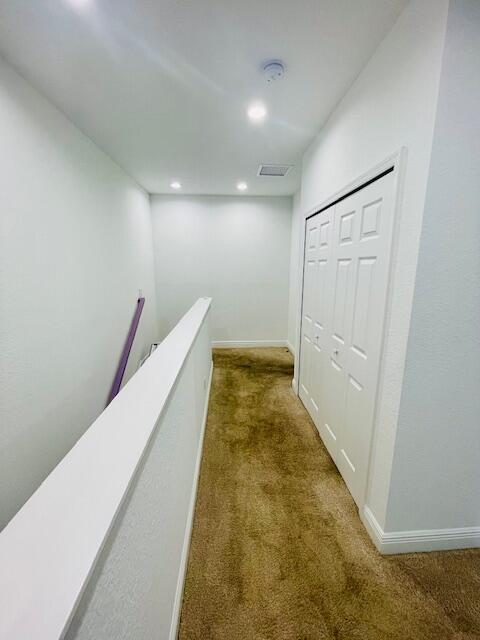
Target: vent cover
(274, 170)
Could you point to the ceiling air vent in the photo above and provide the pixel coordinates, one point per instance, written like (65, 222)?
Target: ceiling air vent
(274, 170)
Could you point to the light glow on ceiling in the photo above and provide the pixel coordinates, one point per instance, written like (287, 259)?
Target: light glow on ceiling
(175, 185)
(257, 112)
(80, 4)
(242, 186)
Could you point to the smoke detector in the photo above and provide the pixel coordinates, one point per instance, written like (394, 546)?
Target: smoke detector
(273, 70)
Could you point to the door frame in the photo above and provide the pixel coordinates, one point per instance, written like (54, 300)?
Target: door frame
(397, 162)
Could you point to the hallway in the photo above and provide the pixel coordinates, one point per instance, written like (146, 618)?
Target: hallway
(239, 303)
(278, 550)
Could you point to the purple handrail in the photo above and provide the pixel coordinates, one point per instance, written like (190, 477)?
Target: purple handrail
(122, 365)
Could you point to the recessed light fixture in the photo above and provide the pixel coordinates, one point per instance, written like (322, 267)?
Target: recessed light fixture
(242, 186)
(80, 4)
(176, 185)
(257, 112)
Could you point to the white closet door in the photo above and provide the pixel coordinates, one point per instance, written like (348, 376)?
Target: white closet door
(347, 258)
(363, 233)
(321, 385)
(319, 231)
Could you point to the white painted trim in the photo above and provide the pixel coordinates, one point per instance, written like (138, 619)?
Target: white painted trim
(393, 160)
(247, 344)
(421, 540)
(295, 386)
(290, 348)
(49, 549)
(182, 572)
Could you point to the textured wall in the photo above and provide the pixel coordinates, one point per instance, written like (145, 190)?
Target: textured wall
(436, 471)
(75, 248)
(131, 595)
(295, 273)
(235, 250)
(391, 104)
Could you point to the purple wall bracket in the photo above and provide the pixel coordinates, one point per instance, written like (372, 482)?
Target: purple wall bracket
(122, 365)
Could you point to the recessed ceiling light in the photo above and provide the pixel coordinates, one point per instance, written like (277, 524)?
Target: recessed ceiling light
(257, 112)
(176, 185)
(79, 4)
(242, 186)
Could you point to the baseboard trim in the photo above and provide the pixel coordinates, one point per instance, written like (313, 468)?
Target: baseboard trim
(421, 540)
(290, 348)
(245, 344)
(177, 605)
(295, 386)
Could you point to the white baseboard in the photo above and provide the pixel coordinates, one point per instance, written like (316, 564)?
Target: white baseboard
(246, 344)
(421, 540)
(295, 386)
(290, 348)
(182, 572)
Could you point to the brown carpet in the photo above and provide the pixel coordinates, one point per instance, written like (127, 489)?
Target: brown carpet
(278, 550)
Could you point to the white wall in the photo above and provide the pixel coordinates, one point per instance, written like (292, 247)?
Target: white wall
(436, 473)
(392, 104)
(233, 249)
(136, 589)
(294, 281)
(75, 248)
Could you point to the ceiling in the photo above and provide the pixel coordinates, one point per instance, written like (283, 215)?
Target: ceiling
(163, 85)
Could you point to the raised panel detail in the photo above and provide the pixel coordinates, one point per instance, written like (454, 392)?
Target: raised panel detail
(312, 238)
(346, 228)
(335, 365)
(362, 304)
(371, 220)
(341, 292)
(324, 233)
(305, 364)
(349, 462)
(310, 273)
(316, 374)
(334, 437)
(356, 385)
(353, 412)
(321, 290)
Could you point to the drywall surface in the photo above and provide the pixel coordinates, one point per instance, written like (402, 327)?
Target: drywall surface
(135, 591)
(436, 473)
(391, 105)
(75, 248)
(294, 280)
(235, 250)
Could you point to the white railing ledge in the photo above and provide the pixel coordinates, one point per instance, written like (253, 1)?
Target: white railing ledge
(49, 549)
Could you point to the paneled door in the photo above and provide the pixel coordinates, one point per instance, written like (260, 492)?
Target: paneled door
(342, 387)
(308, 303)
(318, 238)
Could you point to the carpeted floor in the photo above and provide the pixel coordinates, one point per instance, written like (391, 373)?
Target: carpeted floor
(278, 551)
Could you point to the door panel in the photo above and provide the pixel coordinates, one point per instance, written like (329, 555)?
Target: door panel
(318, 234)
(369, 252)
(362, 305)
(341, 293)
(307, 325)
(309, 288)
